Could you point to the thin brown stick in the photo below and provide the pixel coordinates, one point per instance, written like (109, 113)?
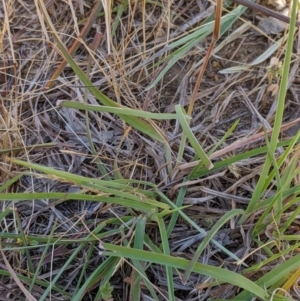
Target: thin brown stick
(240, 143)
(215, 37)
(85, 30)
(266, 11)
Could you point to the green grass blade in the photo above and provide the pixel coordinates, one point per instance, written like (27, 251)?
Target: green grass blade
(279, 113)
(96, 185)
(119, 111)
(292, 217)
(69, 260)
(180, 263)
(175, 215)
(278, 203)
(97, 160)
(138, 272)
(4, 213)
(219, 143)
(80, 180)
(264, 56)
(135, 122)
(83, 273)
(194, 38)
(10, 182)
(227, 134)
(289, 149)
(41, 262)
(223, 220)
(286, 193)
(192, 139)
(24, 242)
(146, 205)
(194, 225)
(138, 244)
(166, 251)
(121, 9)
(43, 284)
(28, 147)
(273, 276)
(95, 277)
(249, 154)
(59, 274)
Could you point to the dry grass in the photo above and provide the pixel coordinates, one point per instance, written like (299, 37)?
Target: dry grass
(122, 67)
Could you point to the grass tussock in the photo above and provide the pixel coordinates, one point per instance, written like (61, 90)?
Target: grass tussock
(126, 175)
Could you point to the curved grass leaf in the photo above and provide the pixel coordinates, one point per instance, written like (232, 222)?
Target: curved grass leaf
(195, 38)
(192, 139)
(135, 122)
(208, 238)
(118, 111)
(180, 263)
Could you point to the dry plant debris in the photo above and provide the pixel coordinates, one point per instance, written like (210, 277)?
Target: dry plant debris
(135, 36)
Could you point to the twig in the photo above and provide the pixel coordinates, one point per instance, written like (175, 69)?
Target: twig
(85, 30)
(265, 11)
(240, 143)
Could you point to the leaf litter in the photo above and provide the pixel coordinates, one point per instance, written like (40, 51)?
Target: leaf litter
(122, 70)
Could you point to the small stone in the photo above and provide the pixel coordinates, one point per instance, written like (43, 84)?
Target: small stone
(271, 25)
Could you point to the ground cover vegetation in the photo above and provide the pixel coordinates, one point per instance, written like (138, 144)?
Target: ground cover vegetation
(149, 151)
